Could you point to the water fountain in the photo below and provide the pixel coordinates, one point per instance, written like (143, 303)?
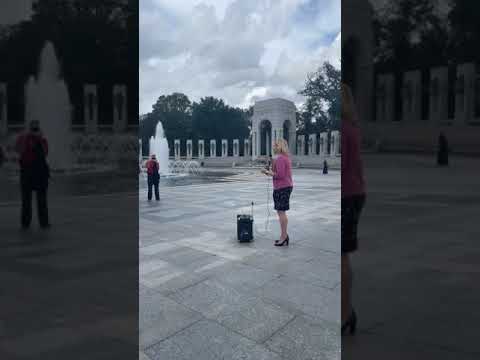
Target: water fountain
(47, 100)
(159, 147)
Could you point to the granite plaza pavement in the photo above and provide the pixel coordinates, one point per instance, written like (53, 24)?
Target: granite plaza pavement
(416, 272)
(204, 296)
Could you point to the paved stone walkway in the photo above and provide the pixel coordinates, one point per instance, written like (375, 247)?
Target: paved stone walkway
(204, 296)
(416, 272)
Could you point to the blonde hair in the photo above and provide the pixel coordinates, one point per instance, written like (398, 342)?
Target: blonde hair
(348, 104)
(281, 147)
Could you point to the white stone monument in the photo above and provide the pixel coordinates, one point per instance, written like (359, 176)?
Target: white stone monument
(324, 144)
(236, 147)
(438, 104)
(90, 108)
(176, 147)
(385, 98)
(246, 148)
(213, 148)
(301, 145)
(272, 119)
(119, 108)
(312, 144)
(201, 149)
(335, 143)
(224, 148)
(411, 97)
(3, 110)
(464, 93)
(189, 149)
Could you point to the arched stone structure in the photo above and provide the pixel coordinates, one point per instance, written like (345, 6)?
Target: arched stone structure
(271, 119)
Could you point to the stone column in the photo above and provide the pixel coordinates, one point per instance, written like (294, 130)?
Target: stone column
(438, 102)
(189, 149)
(224, 148)
(385, 98)
(335, 143)
(301, 145)
(201, 149)
(176, 148)
(411, 97)
(236, 147)
(312, 144)
(324, 144)
(213, 148)
(119, 108)
(464, 97)
(3, 110)
(246, 148)
(90, 108)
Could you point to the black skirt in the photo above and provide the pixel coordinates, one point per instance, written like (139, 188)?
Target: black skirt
(351, 209)
(281, 198)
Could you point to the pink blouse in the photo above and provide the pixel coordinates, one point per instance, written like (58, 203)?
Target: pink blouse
(282, 168)
(353, 182)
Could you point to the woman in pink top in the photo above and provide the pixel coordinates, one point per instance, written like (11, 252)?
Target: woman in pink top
(282, 186)
(353, 198)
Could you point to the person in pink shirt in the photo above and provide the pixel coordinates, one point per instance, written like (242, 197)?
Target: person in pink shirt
(281, 173)
(353, 199)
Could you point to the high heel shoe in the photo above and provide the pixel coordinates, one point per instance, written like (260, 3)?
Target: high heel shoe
(284, 242)
(350, 324)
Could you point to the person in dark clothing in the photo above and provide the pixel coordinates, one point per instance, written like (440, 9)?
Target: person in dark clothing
(442, 152)
(325, 167)
(153, 177)
(32, 148)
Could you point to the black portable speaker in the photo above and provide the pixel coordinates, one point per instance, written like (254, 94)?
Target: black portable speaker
(245, 227)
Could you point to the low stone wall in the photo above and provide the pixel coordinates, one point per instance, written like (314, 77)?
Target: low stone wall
(297, 161)
(417, 138)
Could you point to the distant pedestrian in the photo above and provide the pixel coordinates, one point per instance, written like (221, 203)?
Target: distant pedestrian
(325, 167)
(153, 177)
(32, 148)
(443, 150)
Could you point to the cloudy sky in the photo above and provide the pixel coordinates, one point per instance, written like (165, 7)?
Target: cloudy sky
(237, 50)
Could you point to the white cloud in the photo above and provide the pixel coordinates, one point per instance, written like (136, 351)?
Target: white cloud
(237, 50)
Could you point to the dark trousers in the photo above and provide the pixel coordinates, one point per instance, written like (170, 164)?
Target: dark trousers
(153, 182)
(42, 207)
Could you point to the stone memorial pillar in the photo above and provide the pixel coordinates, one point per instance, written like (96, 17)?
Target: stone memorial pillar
(323, 144)
(312, 144)
(3, 110)
(301, 145)
(224, 148)
(90, 108)
(236, 148)
(201, 149)
(438, 102)
(119, 108)
(246, 148)
(335, 143)
(189, 149)
(176, 148)
(411, 97)
(213, 148)
(464, 93)
(385, 98)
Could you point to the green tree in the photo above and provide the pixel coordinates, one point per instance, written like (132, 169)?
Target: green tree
(175, 112)
(410, 34)
(213, 119)
(321, 110)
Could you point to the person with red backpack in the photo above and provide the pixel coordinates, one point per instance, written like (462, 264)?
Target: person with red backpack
(32, 148)
(153, 176)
